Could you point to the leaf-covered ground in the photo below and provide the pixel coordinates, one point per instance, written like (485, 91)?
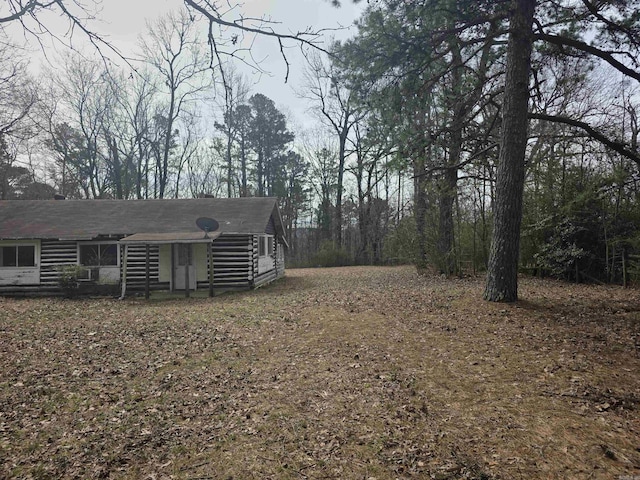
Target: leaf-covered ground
(352, 373)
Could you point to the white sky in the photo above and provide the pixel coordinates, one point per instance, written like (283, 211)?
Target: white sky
(122, 21)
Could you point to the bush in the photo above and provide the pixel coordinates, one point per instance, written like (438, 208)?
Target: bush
(328, 255)
(401, 243)
(68, 279)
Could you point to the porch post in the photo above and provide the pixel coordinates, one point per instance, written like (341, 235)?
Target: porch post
(186, 272)
(210, 259)
(146, 272)
(172, 281)
(124, 272)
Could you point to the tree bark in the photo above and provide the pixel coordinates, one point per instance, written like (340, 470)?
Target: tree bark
(502, 275)
(229, 133)
(449, 181)
(337, 222)
(116, 167)
(420, 211)
(243, 166)
(446, 237)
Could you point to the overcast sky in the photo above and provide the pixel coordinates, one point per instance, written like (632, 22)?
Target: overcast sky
(122, 21)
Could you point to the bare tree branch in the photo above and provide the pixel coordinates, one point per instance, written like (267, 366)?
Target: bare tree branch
(614, 145)
(585, 47)
(307, 38)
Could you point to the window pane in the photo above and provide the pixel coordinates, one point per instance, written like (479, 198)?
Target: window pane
(26, 256)
(270, 247)
(184, 254)
(89, 255)
(109, 254)
(261, 246)
(8, 256)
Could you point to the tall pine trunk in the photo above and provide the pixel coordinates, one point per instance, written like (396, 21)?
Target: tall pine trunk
(502, 275)
(342, 153)
(446, 237)
(243, 166)
(420, 212)
(448, 184)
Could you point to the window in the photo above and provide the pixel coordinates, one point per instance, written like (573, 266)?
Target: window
(261, 247)
(265, 245)
(18, 256)
(99, 254)
(184, 254)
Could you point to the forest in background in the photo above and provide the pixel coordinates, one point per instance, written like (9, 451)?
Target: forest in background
(403, 165)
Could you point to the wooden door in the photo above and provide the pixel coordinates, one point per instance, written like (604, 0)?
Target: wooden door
(183, 257)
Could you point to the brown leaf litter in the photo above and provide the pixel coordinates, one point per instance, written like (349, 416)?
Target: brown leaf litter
(349, 373)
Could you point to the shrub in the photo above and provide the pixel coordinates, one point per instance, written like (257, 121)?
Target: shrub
(68, 279)
(401, 243)
(328, 255)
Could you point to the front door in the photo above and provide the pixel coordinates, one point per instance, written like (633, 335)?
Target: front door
(183, 261)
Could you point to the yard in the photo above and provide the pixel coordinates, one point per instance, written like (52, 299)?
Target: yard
(350, 373)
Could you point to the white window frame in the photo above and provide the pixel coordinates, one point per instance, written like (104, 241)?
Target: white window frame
(36, 256)
(264, 242)
(271, 241)
(266, 260)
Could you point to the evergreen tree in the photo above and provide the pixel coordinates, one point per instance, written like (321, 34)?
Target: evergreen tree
(268, 137)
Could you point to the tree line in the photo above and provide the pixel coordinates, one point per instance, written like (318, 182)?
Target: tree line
(462, 136)
(517, 119)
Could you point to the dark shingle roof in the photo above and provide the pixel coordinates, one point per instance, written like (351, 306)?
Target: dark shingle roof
(85, 219)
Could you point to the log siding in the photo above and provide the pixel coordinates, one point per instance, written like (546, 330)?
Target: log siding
(55, 254)
(232, 262)
(136, 267)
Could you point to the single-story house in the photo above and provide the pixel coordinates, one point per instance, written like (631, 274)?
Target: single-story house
(141, 244)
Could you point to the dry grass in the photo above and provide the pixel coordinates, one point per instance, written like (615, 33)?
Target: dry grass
(354, 373)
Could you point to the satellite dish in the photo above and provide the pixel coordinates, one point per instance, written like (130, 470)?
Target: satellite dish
(207, 225)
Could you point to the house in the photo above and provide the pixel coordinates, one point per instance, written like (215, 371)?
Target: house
(141, 244)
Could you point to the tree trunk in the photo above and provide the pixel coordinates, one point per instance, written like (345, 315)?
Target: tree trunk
(166, 149)
(361, 252)
(420, 212)
(260, 173)
(502, 275)
(229, 164)
(116, 168)
(337, 222)
(243, 166)
(448, 188)
(447, 196)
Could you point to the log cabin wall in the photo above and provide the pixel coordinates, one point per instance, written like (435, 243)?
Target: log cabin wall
(233, 262)
(273, 274)
(136, 267)
(53, 255)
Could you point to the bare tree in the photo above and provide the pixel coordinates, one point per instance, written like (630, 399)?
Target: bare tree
(321, 152)
(173, 50)
(190, 138)
(18, 99)
(203, 176)
(35, 19)
(236, 91)
(339, 112)
(230, 32)
(18, 93)
(84, 92)
(138, 108)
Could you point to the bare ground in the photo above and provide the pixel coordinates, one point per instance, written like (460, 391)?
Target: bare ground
(354, 373)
